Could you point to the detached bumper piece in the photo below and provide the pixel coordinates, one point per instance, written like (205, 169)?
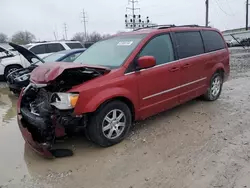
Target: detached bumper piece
(39, 132)
(43, 149)
(40, 148)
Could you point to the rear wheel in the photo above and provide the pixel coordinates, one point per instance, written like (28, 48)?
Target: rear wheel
(110, 124)
(214, 90)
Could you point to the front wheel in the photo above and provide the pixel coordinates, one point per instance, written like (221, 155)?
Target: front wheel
(215, 88)
(110, 124)
(11, 69)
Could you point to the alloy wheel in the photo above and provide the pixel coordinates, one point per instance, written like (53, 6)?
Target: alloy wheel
(216, 86)
(114, 124)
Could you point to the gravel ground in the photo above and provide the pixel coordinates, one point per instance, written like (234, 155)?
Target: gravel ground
(198, 144)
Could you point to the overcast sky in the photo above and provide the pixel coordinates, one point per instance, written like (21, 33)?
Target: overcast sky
(43, 17)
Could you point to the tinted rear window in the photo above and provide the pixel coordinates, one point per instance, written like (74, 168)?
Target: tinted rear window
(189, 44)
(74, 45)
(212, 41)
(56, 47)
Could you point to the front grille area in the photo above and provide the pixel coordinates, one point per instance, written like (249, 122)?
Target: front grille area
(41, 104)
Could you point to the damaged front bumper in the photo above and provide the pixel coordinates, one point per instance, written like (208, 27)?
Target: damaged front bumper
(24, 122)
(40, 148)
(39, 133)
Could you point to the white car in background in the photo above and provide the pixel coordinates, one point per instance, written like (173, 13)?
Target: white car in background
(12, 61)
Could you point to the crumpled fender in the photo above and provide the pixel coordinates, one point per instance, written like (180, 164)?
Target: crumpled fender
(84, 106)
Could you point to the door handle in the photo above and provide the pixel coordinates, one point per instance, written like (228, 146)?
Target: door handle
(174, 69)
(186, 65)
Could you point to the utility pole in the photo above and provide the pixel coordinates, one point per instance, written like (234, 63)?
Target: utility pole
(133, 9)
(55, 35)
(207, 12)
(65, 30)
(84, 20)
(247, 6)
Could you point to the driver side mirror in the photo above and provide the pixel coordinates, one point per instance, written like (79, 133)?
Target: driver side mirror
(145, 62)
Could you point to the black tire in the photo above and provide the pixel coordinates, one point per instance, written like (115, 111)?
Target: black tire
(95, 127)
(9, 69)
(209, 96)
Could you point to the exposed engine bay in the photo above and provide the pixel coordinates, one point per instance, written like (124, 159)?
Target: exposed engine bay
(73, 77)
(47, 114)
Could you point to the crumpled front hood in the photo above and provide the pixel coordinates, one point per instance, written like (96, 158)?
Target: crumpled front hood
(49, 72)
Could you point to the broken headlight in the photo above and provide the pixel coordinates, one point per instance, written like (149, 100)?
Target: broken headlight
(64, 101)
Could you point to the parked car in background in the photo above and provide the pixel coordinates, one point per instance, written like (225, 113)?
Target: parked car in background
(41, 49)
(18, 79)
(127, 77)
(5, 53)
(7, 47)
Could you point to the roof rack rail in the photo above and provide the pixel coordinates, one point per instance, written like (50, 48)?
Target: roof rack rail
(192, 25)
(169, 26)
(156, 26)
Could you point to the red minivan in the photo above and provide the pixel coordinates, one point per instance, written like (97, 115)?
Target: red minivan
(127, 77)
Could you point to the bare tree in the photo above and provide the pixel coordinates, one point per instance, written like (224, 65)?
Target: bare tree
(79, 37)
(92, 37)
(23, 37)
(106, 36)
(3, 38)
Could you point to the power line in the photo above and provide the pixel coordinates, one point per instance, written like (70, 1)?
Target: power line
(231, 10)
(84, 21)
(216, 1)
(218, 16)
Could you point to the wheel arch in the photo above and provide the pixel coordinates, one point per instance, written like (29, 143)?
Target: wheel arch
(220, 71)
(123, 99)
(219, 68)
(11, 65)
(101, 98)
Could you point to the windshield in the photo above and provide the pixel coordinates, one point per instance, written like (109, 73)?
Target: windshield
(111, 52)
(54, 57)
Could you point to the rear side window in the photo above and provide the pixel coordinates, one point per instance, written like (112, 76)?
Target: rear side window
(39, 49)
(189, 44)
(161, 48)
(212, 41)
(56, 47)
(74, 45)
